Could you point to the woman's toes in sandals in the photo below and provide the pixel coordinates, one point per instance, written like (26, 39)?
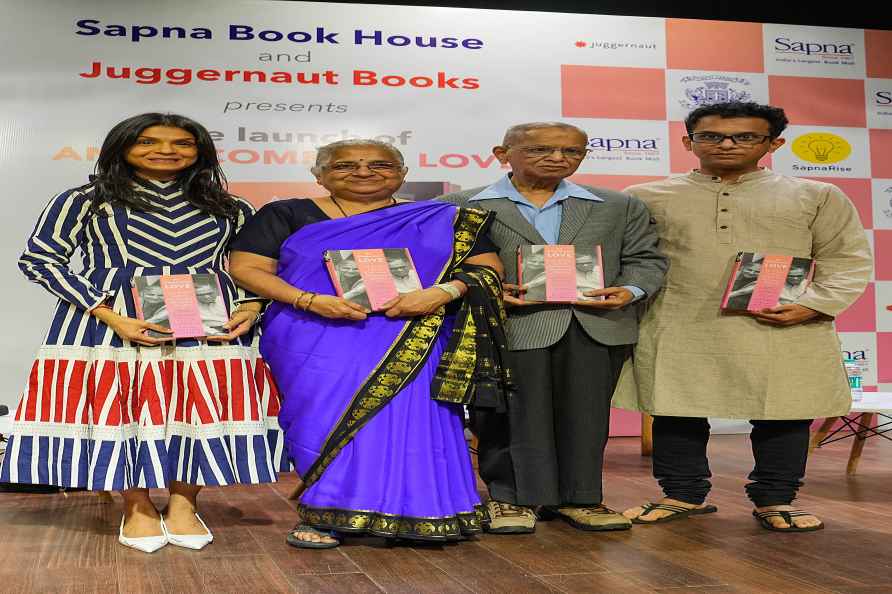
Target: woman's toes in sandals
(307, 537)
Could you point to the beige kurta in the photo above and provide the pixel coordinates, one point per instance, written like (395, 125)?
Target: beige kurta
(692, 360)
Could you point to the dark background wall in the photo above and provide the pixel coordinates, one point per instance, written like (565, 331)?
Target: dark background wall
(826, 13)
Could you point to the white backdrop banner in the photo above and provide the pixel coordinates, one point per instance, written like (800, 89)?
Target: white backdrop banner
(274, 80)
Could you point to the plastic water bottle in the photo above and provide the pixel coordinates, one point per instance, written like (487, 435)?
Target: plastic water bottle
(855, 373)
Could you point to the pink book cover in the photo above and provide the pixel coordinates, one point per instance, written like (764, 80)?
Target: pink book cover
(549, 278)
(182, 305)
(560, 273)
(760, 281)
(770, 283)
(191, 305)
(388, 271)
(377, 277)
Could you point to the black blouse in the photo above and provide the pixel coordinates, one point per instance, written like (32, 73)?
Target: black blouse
(267, 230)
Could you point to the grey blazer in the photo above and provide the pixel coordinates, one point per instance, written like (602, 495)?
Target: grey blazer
(621, 225)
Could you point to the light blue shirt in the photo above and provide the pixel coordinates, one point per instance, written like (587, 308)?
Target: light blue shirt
(547, 218)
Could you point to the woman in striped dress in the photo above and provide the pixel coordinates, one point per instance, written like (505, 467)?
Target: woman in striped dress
(109, 407)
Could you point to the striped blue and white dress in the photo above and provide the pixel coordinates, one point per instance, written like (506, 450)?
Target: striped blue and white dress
(103, 413)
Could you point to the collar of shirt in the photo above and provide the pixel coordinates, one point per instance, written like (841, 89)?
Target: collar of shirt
(505, 189)
(698, 177)
(547, 219)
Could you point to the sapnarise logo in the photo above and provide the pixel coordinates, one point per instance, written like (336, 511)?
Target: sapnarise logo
(623, 149)
(823, 149)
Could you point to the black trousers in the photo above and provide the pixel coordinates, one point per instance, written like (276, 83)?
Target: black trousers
(549, 448)
(680, 465)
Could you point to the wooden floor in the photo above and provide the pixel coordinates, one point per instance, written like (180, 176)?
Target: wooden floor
(54, 543)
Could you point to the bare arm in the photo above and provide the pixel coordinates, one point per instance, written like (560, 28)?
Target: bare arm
(258, 275)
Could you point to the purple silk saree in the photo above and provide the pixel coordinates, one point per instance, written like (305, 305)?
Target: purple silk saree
(376, 453)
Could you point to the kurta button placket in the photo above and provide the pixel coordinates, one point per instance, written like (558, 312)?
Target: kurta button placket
(724, 217)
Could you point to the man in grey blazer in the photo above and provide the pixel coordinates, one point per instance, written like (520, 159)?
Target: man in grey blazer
(549, 449)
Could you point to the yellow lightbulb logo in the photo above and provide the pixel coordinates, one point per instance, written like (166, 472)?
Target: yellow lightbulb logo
(821, 147)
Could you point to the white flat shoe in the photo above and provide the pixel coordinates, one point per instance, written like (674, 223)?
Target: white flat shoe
(146, 544)
(192, 541)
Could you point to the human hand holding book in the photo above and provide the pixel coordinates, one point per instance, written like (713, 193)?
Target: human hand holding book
(417, 303)
(130, 328)
(240, 322)
(789, 314)
(337, 308)
(512, 295)
(612, 298)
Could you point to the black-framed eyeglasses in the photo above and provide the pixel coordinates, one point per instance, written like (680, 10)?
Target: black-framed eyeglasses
(383, 167)
(744, 138)
(538, 152)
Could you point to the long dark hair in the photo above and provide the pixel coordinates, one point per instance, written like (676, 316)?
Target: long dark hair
(204, 184)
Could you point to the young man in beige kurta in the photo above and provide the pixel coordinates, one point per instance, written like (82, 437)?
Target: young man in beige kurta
(779, 368)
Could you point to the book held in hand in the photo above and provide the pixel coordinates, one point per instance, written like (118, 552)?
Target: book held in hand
(372, 277)
(191, 305)
(559, 273)
(761, 281)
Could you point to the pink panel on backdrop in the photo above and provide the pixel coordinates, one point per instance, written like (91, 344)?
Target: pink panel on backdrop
(881, 153)
(606, 92)
(259, 193)
(714, 45)
(859, 191)
(884, 357)
(878, 47)
(815, 101)
(862, 315)
(682, 160)
(624, 423)
(613, 182)
(882, 254)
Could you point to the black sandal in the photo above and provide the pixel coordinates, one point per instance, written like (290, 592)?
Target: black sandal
(678, 512)
(788, 518)
(294, 541)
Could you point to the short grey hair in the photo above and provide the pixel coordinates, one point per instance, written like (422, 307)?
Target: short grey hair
(517, 132)
(324, 153)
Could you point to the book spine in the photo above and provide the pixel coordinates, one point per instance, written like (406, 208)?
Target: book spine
(731, 278)
(333, 273)
(137, 303)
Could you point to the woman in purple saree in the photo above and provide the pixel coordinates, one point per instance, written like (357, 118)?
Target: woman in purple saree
(371, 406)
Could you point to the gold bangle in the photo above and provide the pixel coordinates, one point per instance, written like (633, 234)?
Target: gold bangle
(310, 302)
(296, 303)
(308, 295)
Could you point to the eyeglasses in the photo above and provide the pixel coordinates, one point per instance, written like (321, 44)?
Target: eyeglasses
(744, 138)
(382, 167)
(539, 152)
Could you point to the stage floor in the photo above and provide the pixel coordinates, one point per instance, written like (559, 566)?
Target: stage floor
(54, 543)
